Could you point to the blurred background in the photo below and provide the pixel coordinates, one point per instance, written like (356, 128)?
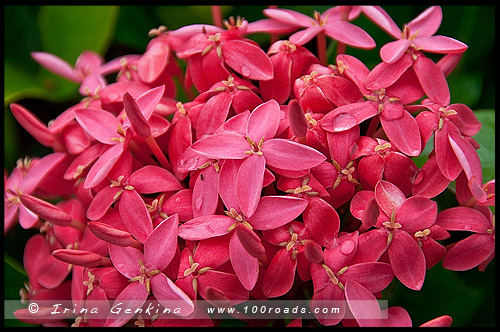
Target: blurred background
(113, 31)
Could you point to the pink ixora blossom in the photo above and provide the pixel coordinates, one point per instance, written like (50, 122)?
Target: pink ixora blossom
(258, 148)
(329, 23)
(477, 249)
(406, 52)
(89, 69)
(144, 271)
(398, 220)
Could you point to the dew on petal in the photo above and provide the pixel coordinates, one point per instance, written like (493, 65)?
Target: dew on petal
(344, 121)
(347, 247)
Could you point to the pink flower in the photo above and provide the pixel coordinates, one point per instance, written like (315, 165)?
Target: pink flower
(477, 249)
(330, 23)
(400, 55)
(89, 69)
(388, 104)
(258, 148)
(450, 126)
(352, 284)
(289, 62)
(400, 220)
(418, 34)
(144, 271)
(224, 98)
(380, 161)
(24, 180)
(218, 50)
(199, 274)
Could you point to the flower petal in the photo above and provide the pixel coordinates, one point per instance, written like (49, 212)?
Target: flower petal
(469, 253)
(275, 211)
(349, 34)
(388, 196)
(440, 44)
(225, 283)
(467, 157)
(32, 124)
(250, 241)
(205, 227)
(222, 146)
(433, 80)
(56, 65)
(363, 305)
(135, 295)
(407, 260)
(99, 124)
(289, 155)
(384, 74)
(160, 247)
(404, 133)
(416, 214)
(427, 22)
(374, 276)
(153, 179)
(263, 121)
(135, 215)
(103, 166)
(249, 183)
(321, 221)
(463, 218)
(245, 266)
(126, 260)
(247, 59)
(280, 274)
(165, 291)
(213, 114)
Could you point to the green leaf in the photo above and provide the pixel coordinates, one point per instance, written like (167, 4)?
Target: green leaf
(14, 276)
(68, 30)
(14, 264)
(19, 84)
(465, 87)
(444, 292)
(486, 139)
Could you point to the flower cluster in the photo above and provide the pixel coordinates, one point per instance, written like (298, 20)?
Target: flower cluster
(280, 170)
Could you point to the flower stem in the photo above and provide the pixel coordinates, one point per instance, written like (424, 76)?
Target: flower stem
(217, 16)
(321, 47)
(373, 126)
(151, 142)
(341, 48)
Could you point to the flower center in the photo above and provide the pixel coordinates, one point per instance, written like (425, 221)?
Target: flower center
(239, 219)
(391, 226)
(144, 276)
(309, 79)
(318, 20)
(304, 189)
(231, 22)
(407, 33)
(194, 266)
(383, 149)
(333, 277)
(255, 148)
(344, 173)
(89, 283)
(289, 47)
(155, 208)
(443, 114)
(120, 132)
